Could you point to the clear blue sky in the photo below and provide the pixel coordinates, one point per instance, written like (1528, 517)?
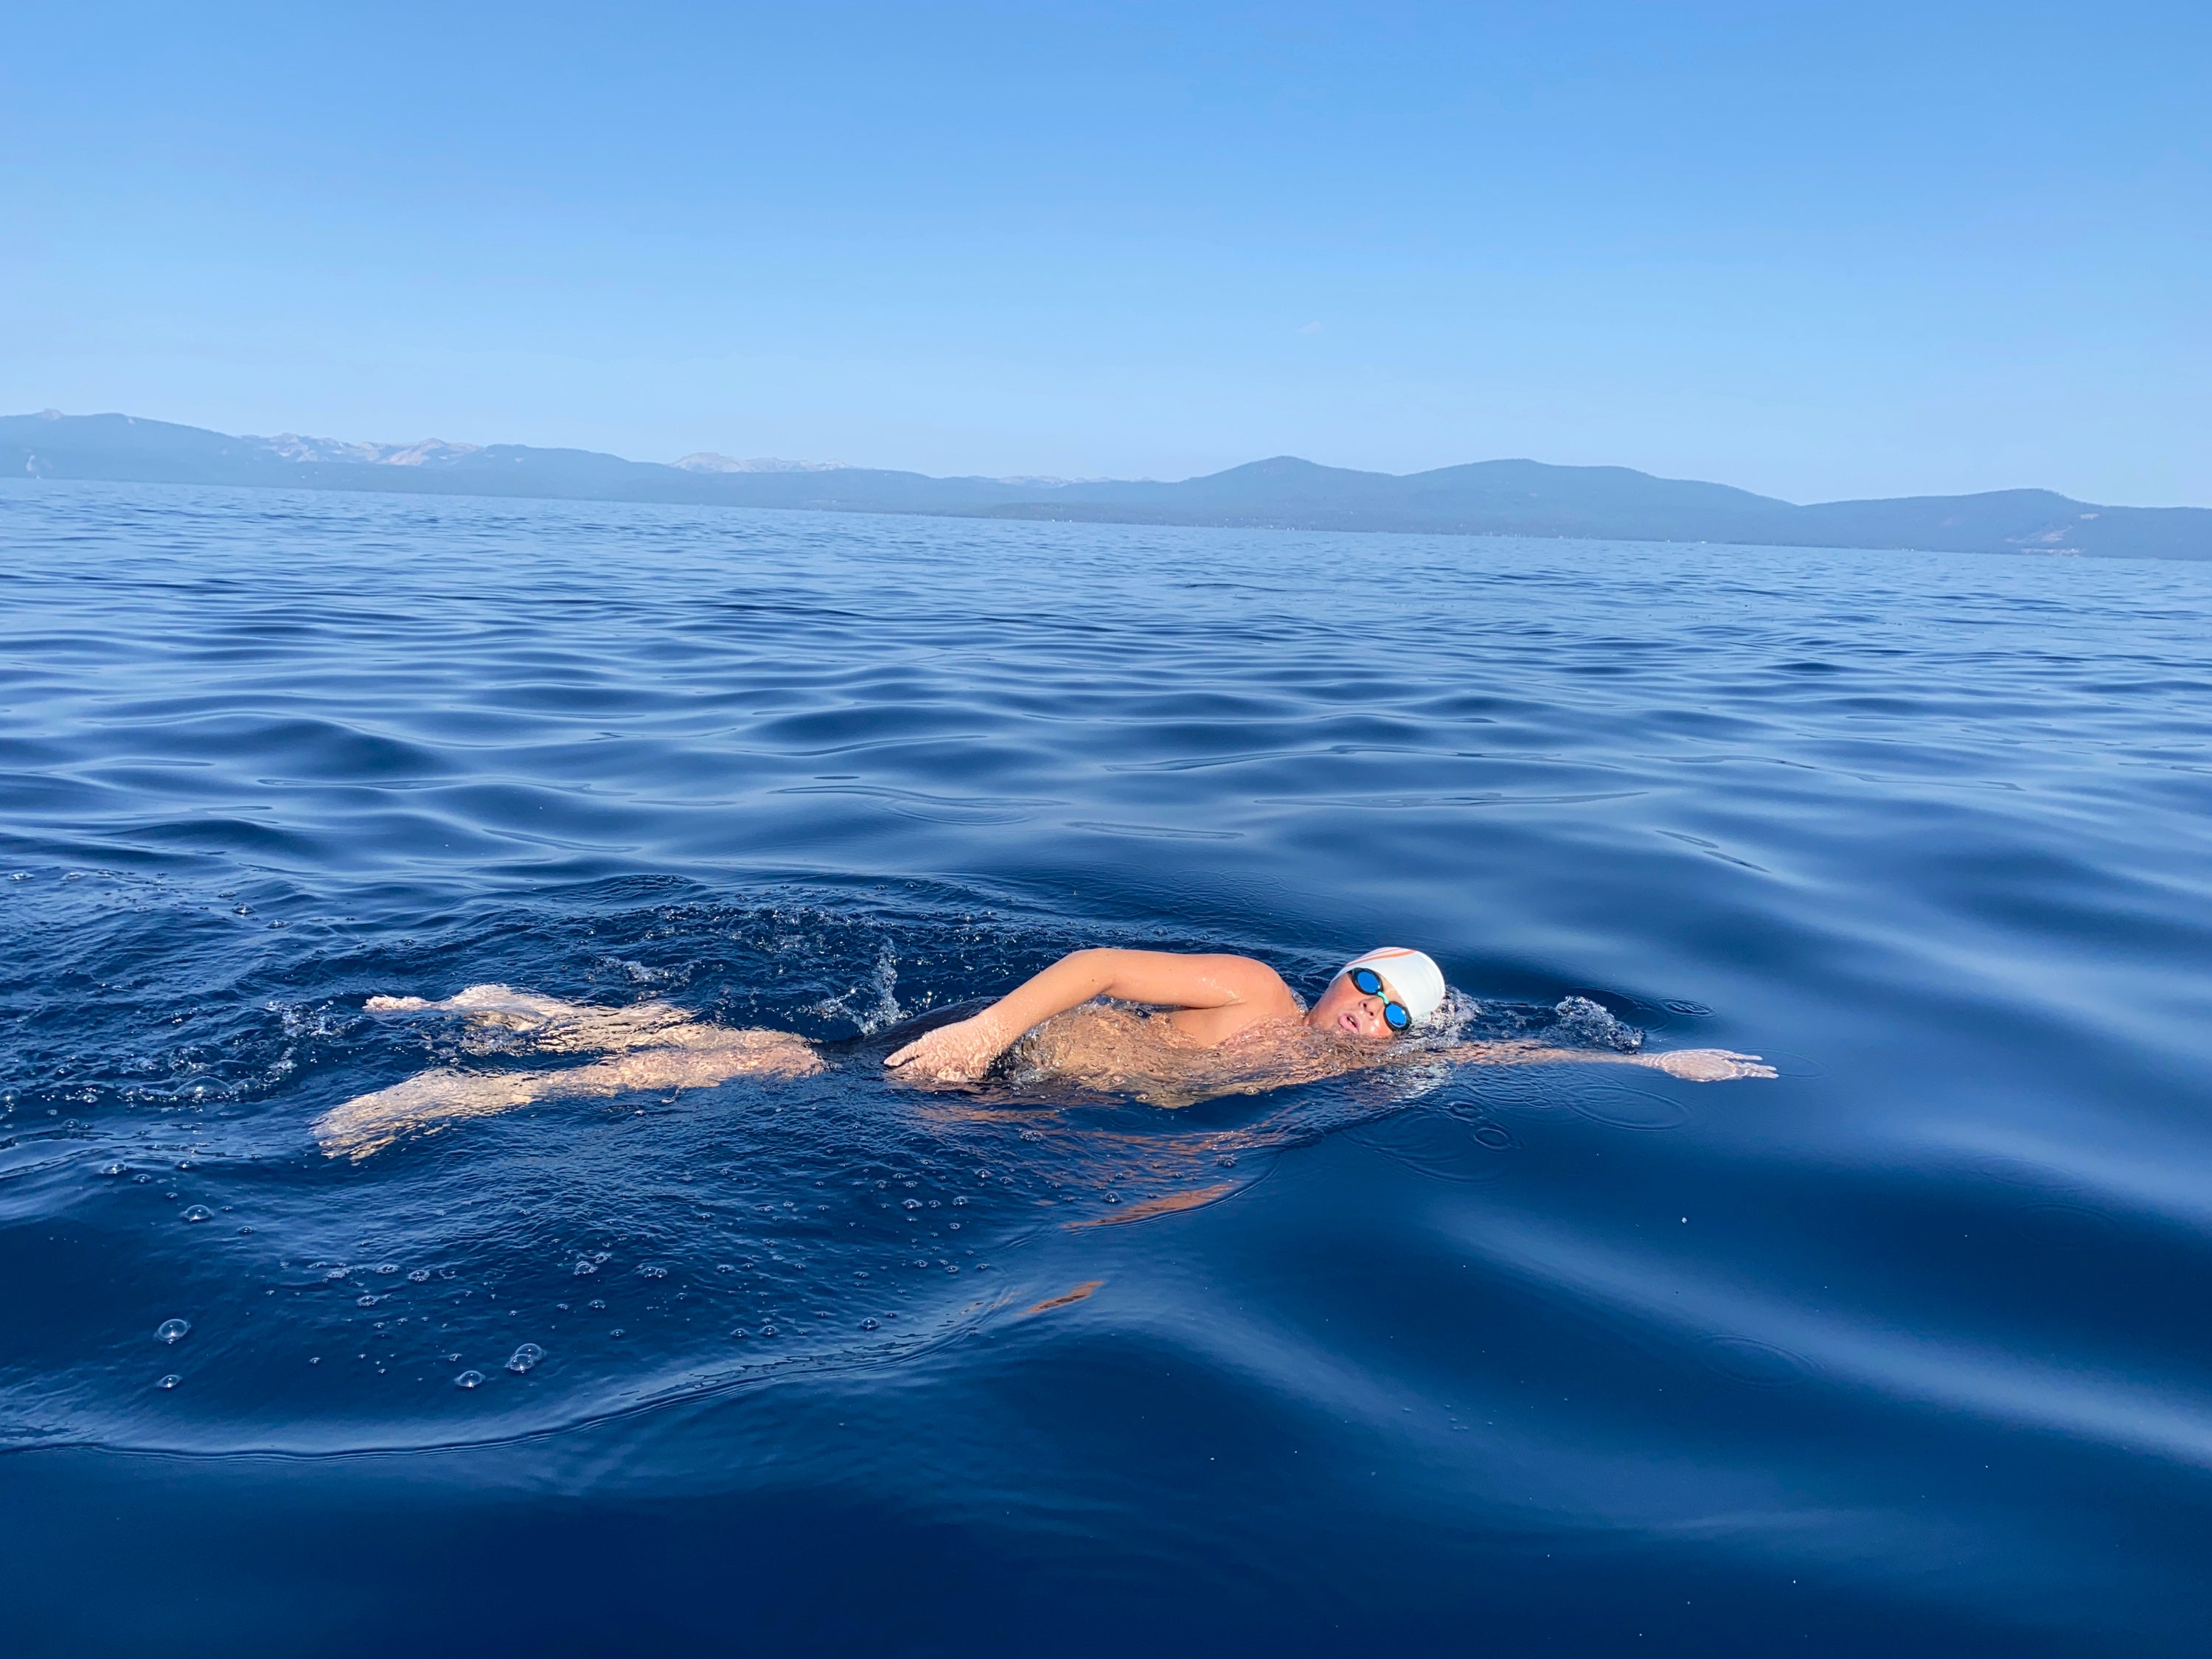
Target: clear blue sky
(1814, 249)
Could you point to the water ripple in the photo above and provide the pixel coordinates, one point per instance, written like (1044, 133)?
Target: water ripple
(1909, 1329)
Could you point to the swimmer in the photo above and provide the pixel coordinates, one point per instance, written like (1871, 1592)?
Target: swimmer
(1218, 1024)
(1230, 1024)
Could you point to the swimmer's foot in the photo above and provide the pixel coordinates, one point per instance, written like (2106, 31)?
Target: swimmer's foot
(549, 1023)
(1707, 1065)
(369, 1123)
(491, 1004)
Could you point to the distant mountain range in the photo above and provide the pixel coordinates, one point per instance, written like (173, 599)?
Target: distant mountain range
(1512, 498)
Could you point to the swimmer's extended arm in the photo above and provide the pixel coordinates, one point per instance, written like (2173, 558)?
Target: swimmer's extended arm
(1695, 1065)
(960, 1052)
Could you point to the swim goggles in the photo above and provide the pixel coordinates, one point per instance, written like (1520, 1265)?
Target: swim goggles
(1369, 983)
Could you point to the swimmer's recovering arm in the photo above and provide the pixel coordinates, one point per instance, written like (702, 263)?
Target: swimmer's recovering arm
(960, 1052)
(1695, 1065)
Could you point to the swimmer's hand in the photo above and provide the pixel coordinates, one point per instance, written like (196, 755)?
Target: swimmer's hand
(959, 1053)
(1707, 1065)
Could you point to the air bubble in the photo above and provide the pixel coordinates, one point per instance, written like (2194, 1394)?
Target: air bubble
(740, 1333)
(420, 1276)
(584, 1266)
(868, 1324)
(112, 1169)
(596, 1302)
(768, 1330)
(169, 1382)
(367, 1301)
(338, 1273)
(469, 1380)
(172, 1330)
(199, 1213)
(524, 1357)
(653, 1270)
(387, 1267)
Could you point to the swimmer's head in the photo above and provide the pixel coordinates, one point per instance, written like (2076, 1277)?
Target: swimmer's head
(1405, 979)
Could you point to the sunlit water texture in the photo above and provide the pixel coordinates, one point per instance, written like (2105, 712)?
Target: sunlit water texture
(1907, 1347)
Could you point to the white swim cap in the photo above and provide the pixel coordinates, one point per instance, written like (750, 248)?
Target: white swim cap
(1418, 981)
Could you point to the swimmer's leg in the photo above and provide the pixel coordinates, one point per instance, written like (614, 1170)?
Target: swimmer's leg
(428, 1101)
(549, 1024)
(432, 1100)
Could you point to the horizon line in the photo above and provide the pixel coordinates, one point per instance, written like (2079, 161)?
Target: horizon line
(781, 464)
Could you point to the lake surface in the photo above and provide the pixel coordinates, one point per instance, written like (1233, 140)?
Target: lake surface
(1911, 1346)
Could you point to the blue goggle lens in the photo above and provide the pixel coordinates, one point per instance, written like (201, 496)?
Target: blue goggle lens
(1369, 983)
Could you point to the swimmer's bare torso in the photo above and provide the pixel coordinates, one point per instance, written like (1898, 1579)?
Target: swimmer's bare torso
(1225, 1025)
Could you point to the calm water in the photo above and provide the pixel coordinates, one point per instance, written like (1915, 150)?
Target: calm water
(1911, 1346)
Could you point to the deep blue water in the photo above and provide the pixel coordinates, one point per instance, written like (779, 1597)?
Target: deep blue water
(1911, 1346)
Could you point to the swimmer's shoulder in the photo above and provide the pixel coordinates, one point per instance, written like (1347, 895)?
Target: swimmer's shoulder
(1252, 985)
(1256, 996)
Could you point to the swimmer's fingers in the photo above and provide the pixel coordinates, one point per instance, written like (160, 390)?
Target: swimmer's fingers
(1711, 1065)
(924, 1068)
(1745, 1064)
(959, 1053)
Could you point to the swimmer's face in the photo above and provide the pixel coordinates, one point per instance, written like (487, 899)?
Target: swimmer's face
(1343, 1010)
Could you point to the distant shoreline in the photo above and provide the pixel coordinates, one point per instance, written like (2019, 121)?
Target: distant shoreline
(1485, 498)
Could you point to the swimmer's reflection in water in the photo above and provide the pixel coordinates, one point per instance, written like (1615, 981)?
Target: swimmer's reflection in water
(1218, 1026)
